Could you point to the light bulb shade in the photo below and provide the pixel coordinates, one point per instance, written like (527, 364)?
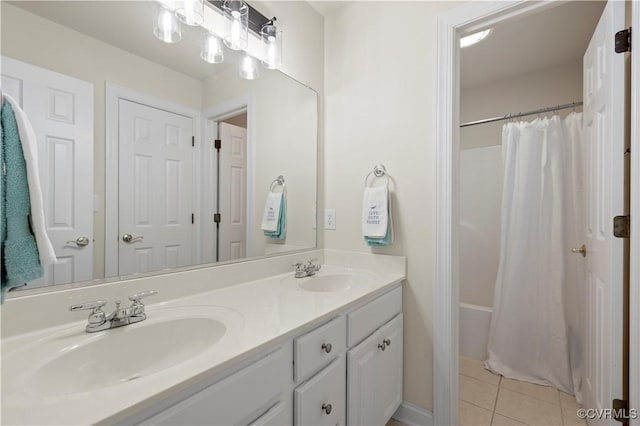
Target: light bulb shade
(212, 51)
(272, 40)
(236, 32)
(191, 12)
(166, 26)
(249, 69)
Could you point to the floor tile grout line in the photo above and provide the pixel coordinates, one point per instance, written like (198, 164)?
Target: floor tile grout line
(495, 402)
(531, 396)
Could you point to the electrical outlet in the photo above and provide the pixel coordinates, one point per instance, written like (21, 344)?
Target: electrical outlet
(330, 219)
(314, 219)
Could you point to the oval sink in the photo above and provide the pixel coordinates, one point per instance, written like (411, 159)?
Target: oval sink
(127, 353)
(332, 281)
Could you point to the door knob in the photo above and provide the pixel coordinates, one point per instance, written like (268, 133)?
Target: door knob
(128, 238)
(582, 249)
(80, 241)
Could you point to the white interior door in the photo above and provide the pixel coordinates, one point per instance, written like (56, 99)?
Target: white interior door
(60, 109)
(604, 136)
(233, 192)
(155, 189)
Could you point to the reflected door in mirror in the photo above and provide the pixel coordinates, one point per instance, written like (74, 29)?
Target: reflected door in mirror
(60, 109)
(155, 189)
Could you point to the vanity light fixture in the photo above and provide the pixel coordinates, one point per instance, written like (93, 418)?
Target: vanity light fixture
(249, 69)
(212, 51)
(190, 12)
(236, 31)
(474, 38)
(166, 26)
(272, 39)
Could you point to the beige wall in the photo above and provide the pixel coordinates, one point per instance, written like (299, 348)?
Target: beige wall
(380, 63)
(30, 38)
(282, 128)
(480, 182)
(554, 86)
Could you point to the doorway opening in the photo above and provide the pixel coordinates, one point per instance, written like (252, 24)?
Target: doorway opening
(459, 243)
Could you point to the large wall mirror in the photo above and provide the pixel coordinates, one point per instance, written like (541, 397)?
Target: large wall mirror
(133, 179)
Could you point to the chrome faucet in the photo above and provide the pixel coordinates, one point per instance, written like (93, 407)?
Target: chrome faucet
(307, 270)
(99, 321)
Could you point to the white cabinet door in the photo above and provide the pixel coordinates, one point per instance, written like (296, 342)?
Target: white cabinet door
(155, 189)
(60, 109)
(374, 371)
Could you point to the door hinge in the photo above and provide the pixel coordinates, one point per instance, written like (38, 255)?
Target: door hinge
(193, 141)
(217, 218)
(622, 226)
(620, 410)
(623, 40)
(193, 218)
(217, 144)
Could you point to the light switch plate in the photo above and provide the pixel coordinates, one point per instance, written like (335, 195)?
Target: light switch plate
(329, 219)
(314, 220)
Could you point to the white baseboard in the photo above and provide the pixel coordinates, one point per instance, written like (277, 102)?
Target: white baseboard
(412, 415)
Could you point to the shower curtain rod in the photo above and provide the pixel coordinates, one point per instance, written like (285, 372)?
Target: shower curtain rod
(522, 114)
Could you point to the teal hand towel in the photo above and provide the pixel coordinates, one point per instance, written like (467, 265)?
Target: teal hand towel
(280, 232)
(20, 260)
(388, 237)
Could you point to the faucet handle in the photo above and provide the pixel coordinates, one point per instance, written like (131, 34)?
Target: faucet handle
(95, 305)
(138, 296)
(97, 317)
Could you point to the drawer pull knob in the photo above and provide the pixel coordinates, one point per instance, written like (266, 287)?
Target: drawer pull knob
(327, 408)
(327, 347)
(382, 346)
(387, 342)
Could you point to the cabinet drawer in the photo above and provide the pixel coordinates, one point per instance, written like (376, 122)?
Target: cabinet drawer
(276, 416)
(235, 400)
(322, 400)
(317, 348)
(364, 321)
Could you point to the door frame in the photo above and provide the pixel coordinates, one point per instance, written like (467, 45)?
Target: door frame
(634, 272)
(223, 110)
(450, 26)
(113, 95)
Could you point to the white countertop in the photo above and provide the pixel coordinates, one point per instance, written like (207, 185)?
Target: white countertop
(258, 313)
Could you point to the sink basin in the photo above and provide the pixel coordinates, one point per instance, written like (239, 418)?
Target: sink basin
(127, 353)
(333, 281)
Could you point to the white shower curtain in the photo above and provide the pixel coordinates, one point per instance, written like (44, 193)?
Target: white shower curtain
(535, 327)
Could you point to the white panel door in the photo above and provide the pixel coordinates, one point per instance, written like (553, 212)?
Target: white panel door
(233, 192)
(604, 136)
(60, 109)
(155, 189)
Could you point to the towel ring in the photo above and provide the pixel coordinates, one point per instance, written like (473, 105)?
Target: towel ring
(379, 170)
(279, 181)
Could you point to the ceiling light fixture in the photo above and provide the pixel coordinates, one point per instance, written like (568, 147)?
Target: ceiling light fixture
(474, 38)
(236, 34)
(272, 39)
(212, 51)
(166, 26)
(190, 12)
(249, 69)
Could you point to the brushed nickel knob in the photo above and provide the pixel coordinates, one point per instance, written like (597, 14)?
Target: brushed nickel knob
(327, 408)
(327, 347)
(382, 346)
(128, 238)
(387, 342)
(582, 249)
(80, 241)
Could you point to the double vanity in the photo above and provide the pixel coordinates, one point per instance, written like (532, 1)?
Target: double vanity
(240, 344)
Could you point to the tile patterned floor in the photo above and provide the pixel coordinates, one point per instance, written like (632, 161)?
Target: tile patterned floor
(487, 399)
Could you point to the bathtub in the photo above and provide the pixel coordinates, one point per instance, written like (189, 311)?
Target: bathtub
(474, 330)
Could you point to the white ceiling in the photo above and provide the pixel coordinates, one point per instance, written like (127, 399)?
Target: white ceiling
(327, 7)
(129, 26)
(554, 37)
